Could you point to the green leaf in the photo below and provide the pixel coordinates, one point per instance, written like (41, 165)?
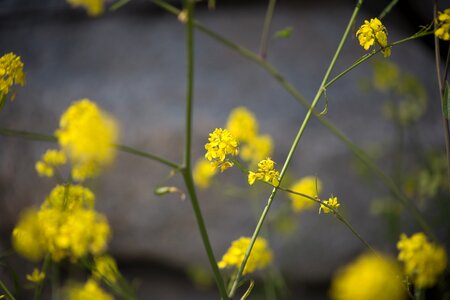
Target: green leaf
(284, 33)
(446, 102)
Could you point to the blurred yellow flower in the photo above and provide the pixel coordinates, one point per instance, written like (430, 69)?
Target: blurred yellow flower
(332, 202)
(443, 25)
(256, 149)
(27, 237)
(369, 277)
(105, 267)
(87, 136)
(308, 185)
(93, 7)
(51, 159)
(242, 124)
(203, 172)
(90, 290)
(260, 256)
(423, 261)
(36, 277)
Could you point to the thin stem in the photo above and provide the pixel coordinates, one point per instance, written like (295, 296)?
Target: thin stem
(441, 83)
(187, 169)
(265, 36)
(50, 138)
(293, 147)
(387, 9)
(40, 286)
(6, 290)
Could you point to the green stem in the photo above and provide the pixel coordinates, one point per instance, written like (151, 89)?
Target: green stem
(266, 29)
(293, 147)
(6, 290)
(40, 286)
(387, 9)
(187, 168)
(50, 138)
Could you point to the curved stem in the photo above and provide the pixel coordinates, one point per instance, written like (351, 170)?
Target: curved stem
(187, 168)
(265, 36)
(6, 290)
(293, 147)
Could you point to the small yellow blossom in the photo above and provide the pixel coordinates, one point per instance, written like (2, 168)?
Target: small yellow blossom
(372, 32)
(260, 256)
(183, 16)
(87, 136)
(308, 185)
(27, 236)
(423, 261)
(2, 296)
(242, 124)
(256, 149)
(443, 25)
(203, 172)
(36, 277)
(93, 7)
(70, 197)
(266, 172)
(105, 267)
(11, 73)
(90, 290)
(369, 277)
(222, 165)
(332, 202)
(50, 160)
(221, 143)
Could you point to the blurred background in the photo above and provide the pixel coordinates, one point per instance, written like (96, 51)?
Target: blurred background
(132, 63)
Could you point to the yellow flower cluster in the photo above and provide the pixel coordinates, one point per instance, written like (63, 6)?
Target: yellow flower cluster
(11, 73)
(93, 7)
(90, 290)
(260, 256)
(65, 226)
(423, 261)
(203, 172)
(372, 32)
(332, 202)
(86, 137)
(443, 25)
(221, 144)
(308, 185)
(244, 126)
(36, 277)
(266, 172)
(369, 277)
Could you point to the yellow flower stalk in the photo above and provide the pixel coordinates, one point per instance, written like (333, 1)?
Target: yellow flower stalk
(372, 32)
(369, 277)
(11, 73)
(87, 136)
(266, 172)
(443, 25)
(36, 277)
(423, 261)
(93, 8)
(308, 185)
(260, 257)
(90, 290)
(332, 202)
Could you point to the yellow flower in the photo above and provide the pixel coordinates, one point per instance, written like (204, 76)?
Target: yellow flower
(90, 290)
(242, 124)
(308, 185)
(203, 172)
(423, 261)
(93, 7)
(369, 277)
(11, 73)
(105, 267)
(443, 25)
(256, 149)
(332, 202)
(373, 31)
(69, 197)
(260, 256)
(37, 276)
(221, 143)
(27, 236)
(87, 135)
(2, 296)
(50, 160)
(266, 172)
